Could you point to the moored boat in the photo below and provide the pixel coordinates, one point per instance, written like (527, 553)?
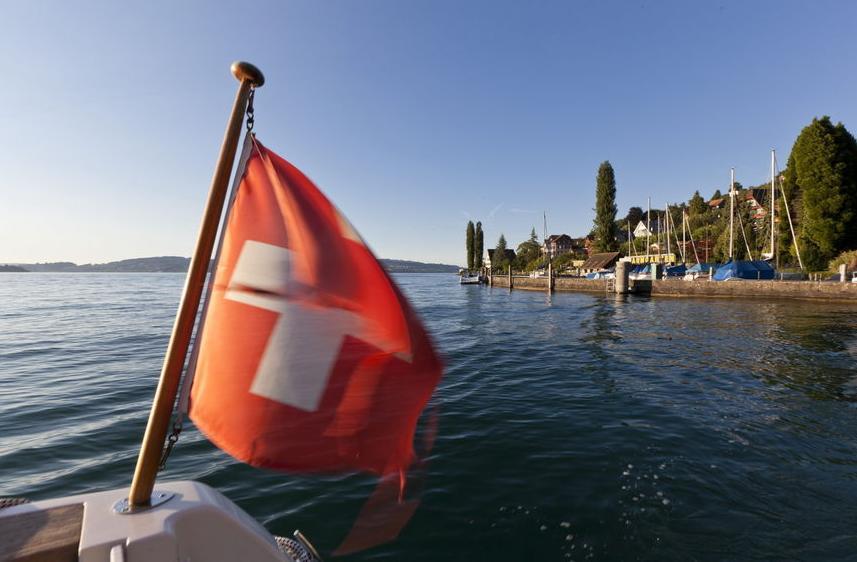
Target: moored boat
(745, 270)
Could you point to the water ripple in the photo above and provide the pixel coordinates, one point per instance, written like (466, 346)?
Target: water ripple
(572, 426)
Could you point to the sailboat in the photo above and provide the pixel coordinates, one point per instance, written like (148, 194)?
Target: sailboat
(741, 269)
(292, 403)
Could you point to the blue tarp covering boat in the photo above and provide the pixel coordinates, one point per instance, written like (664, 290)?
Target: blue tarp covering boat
(744, 269)
(676, 270)
(702, 267)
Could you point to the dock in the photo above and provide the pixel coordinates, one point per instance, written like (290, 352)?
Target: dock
(810, 290)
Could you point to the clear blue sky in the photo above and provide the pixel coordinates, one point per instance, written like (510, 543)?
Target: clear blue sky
(413, 116)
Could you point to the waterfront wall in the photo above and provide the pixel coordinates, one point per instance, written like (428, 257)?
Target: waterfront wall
(681, 288)
(767, 289)
(560, 283)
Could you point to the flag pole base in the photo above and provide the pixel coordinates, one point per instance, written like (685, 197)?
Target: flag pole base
(124, 506)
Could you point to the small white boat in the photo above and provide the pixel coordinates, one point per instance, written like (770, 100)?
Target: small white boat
(187, 521)
(469, 279)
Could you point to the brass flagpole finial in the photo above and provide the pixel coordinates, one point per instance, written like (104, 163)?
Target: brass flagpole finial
(245, 71)
(140, 495)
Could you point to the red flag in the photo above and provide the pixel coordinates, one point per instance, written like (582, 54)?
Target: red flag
(310, 359)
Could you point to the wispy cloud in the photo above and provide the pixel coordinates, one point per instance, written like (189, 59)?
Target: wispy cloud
(494, 211)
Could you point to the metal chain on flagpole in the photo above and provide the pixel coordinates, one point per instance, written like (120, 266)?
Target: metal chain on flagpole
(172, 439)
(250, 111)
(178, 422)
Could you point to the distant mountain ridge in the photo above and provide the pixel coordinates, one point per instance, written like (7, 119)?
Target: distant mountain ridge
(405, 266)
(160, 264)
(177, 264)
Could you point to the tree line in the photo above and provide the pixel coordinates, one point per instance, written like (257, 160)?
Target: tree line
(820, 186)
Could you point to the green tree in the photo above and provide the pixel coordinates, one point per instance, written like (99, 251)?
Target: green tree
(605, 209)
(479, 245)
(499, 261)
(471, 232)
(696, 206)
(821, 183)
(634, 216)
(528, 251)
(717, 194)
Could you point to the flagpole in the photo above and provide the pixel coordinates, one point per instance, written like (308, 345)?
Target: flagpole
(165, 396)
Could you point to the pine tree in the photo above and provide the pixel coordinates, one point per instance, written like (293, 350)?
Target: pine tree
(717, 194)
(499, 261)
(821, 183)
(470, 245)
(696, 205)
(479, 249)
(605, 209)
(533, 236)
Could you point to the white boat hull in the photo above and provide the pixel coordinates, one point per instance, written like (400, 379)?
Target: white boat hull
(196, 523)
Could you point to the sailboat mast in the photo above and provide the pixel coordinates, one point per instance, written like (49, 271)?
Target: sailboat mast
(648, 227)
(545, 235)
(773, 200)
(731, 212)
(630, 245)
(668, 229)
(791, 224)
(684, 236)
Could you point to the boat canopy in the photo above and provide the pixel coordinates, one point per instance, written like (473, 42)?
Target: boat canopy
(702, 267)
(675, 270)
(744, 269)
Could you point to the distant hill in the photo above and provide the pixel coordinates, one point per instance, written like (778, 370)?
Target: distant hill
(162, 264)
(405, 266)
(11, 269)
(176, 264)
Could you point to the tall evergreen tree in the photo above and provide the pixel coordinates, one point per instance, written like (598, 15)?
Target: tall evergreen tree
(696, 206)
(470, 244)
(499, 260)
(480, 250)
(534, 238)
(717, 194)
(821, 183)
(605, 209)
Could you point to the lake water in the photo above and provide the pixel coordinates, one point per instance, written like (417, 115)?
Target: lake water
(572, 426)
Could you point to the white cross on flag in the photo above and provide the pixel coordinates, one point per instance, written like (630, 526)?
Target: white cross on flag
(309, 358)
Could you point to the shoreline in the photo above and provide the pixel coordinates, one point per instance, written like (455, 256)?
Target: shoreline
(829, 291)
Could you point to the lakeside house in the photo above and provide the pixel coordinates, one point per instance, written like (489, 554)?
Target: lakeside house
(489, 255)
(641, 231)
(597, 262)
(559, 244)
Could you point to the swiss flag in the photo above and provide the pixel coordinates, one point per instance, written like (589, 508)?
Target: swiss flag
(310, 358)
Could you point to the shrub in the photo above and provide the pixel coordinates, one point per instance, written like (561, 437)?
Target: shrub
(849, 258)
